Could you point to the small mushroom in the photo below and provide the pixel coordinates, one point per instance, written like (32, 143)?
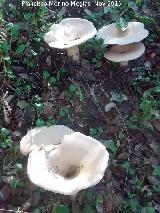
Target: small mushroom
(77, 162)
(125, 53)
(70, 33)
(134, 32)
(43, 137)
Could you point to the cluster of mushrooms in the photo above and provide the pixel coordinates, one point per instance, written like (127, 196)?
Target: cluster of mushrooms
(71, 32)
(63, 161)
(59, 159)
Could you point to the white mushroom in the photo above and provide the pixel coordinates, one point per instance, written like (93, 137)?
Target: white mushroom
(68, 34)
(125, 53)
(43, 137)
(77, 163)
(134, 32)
(128, 42)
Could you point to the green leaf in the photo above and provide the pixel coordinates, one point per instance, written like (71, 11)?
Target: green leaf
(72, 88)
(62, 113)
(150, 210)
(4, 132)
(100, 129)
(9, 142)
(93, 132)
(122, 24)
(139, 184)
(28, 16)
(156, 170)
(61, 209)
(37, 210)
(89, 195)
(145, 20)
(46, 74)
(18, 166)
(126, 165)
(14, 28)
(40, 122)
(88, 210)
(39, 106)
(110, 145)
(50, 122)
(52, 80)
(139, 2)
(20, 49)
(10, 73)
(4, 47)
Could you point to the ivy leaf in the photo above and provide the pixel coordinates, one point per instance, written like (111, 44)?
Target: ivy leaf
(110, 145)
(4, 132)
(14, 28)
(139, 2)
(156, 170)
(61, 209)
(145, 20)
(88, 210)
(52, 80)
(122, 24)
(4, 47)
(46, 74)
(72, 88)
(40, 122)
(150, 210)
(28, 16)
(39, 106)
(20, 49)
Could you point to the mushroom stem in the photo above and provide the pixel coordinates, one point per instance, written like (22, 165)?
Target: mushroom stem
(124, 64)
(73, 52)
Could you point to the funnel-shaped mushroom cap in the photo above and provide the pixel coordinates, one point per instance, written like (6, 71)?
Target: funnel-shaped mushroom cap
(77, 163)
(119, 53)
(43, 136)
(135, 32)
(69, 32)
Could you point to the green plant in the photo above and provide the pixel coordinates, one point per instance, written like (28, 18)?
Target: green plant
(133, 122)
(96, 132)
(98, 50)
(64, 112)
(51, 79)
(41, 122)
(150, 104)
(61, 209)
(74, 90)
(37, 103)
(5, 138)
(129, 167)
(110, 145)
(131, 204)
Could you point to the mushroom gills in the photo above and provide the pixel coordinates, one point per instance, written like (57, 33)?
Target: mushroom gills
(121, 53)
(73, 171)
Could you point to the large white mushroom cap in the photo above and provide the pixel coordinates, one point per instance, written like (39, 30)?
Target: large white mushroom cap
(77, 163)
(135, 32)
(120, 53)
(69, 32)
(43, 137)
